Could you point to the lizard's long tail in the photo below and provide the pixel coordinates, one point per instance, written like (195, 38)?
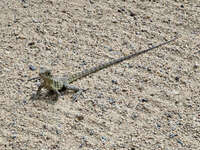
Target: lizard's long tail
(86, 72)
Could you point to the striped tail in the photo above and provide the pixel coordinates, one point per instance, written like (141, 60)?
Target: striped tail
(86, 72)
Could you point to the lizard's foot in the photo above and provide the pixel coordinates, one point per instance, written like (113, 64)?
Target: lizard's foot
(77, 94)
(75, 89)
(58, 94)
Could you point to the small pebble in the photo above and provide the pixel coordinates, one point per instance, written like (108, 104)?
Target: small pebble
(172, 135)
(25, 5)
(134, 116)
(121, 10)
(100, 95)
(195, 66)
(110, 49)
(24, 102)
(31, 43)
(44, 126)
(115, 90)
(81, 145)
(57, 132)
(180, 142)
(124, 90)
(79, 117)
(111, 101)
(158, 126)
(91, 132)
(149, 69)
(144, 100)
(130, 66)
(177, 79)
(31, 67)
(168, 115)
(114, 81)
(132, 14)
(14, 137)
(103, 138)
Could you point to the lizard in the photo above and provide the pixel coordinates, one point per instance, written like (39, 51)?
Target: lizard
(57, 85)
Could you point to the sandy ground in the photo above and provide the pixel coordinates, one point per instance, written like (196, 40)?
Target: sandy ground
(148, 102)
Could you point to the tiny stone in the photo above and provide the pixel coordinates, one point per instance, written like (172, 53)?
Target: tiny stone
(179, 123)
(14, 136)
(24, 102)
(83, 63)
(176, 102)
(158, 125)
(57, 132)
(124, 90)
(151, 94)
(168, 115)
(180, 142)
(134, 116)
(132, 14)
(121, 10)
(31, 43)
(144, 100)
(91, 132)
(149, 69)
(81, 145)
(44, 126)
(31, 67)
(177, 78)
(100, 95)
(172, 135)
(114, 81)
(195, 66)
(111, 100)
(110, 49)
(103, 138)
(25, 5)
(130, 66)
(79, 117)
(91, 2)
(115, 90)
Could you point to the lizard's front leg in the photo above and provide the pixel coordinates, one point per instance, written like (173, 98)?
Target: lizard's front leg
(39, 90)
(57, 94)
(35, 96)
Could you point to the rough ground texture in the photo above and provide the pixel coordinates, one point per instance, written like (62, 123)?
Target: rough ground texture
(149, 102)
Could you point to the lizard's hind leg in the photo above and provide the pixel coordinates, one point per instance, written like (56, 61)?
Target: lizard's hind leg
(75, 89)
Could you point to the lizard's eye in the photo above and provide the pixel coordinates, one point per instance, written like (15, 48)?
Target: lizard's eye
(48, 73)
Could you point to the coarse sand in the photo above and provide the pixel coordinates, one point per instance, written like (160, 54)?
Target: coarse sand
(149, 102)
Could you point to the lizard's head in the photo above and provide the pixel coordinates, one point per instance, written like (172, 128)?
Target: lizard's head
(44, 72)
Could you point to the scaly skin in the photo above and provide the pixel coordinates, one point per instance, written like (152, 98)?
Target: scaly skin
(58, 84)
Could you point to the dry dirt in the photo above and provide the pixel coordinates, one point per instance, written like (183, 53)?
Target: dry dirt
(148, 102)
